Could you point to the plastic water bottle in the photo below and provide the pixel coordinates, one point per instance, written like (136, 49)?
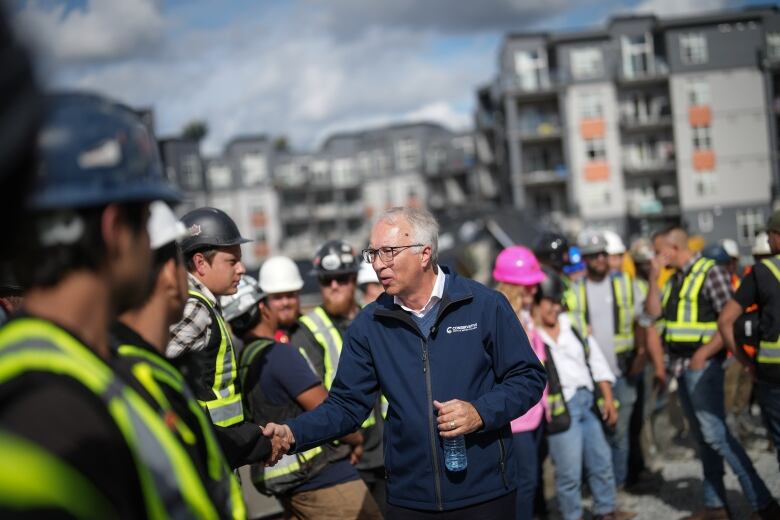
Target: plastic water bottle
(455, 453)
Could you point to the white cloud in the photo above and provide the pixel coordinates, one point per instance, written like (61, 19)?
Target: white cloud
(680, 7)
(102, 30)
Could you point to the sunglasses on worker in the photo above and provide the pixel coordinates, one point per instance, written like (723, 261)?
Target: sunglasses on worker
(340, 279)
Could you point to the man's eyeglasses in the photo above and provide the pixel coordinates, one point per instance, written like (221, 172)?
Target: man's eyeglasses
(386, 254)
(340, 279)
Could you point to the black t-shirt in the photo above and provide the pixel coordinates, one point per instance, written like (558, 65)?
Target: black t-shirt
(69, 421)
(760, 287)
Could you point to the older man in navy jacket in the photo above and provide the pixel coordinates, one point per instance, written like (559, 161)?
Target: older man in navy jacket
(451, 358)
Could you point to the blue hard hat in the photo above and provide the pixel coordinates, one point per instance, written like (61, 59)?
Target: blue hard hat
(716, 252)
(94, 151)
(576, 264)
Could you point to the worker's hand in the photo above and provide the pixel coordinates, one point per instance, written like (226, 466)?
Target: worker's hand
(657, 264)
(609, 413)
(637, 366)
(281, 439)
(698, 360)
(356, 454)
(457, 417)
(659, 379)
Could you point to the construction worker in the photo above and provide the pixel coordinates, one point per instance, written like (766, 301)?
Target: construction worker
(692, 299)
(141, 335)
(281, 280)
(320, 335)
(762, 288)
(608, 304)
(201, 345)
(552, 250)
(368, 284)
(76, 440)
(279, 383)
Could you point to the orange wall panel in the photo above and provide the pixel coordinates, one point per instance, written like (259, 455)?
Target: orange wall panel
(592, 128)
(703, 160)
(700, 115)
(596, 171)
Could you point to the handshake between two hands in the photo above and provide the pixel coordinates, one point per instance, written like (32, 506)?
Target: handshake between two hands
(282, 439)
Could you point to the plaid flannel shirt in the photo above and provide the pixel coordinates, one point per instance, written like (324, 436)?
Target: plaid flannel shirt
(192, 333)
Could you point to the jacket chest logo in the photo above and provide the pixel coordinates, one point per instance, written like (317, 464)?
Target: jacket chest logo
(461, 328)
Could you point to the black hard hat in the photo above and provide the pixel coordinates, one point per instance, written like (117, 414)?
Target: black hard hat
(551, 288)
(209, 228)
(335, 257)
(94, 151)
(552, 249)
(716, 252)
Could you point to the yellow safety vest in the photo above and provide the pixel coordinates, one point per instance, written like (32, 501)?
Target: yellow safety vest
(151, 371)
(328, 336)
(225, 408)
(687, 324)
(623, 309)
(169, 482)
(769, 350)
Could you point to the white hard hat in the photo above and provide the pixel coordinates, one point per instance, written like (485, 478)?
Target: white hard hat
(615, 245)
(366, 274)
(246, 297)
(279, 274)
(731, 247)
(761, 244)
(163, 226)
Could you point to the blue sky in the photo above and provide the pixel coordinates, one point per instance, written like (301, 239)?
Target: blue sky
(300, 68)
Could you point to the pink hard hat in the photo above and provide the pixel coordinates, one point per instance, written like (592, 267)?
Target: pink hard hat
(518, 265)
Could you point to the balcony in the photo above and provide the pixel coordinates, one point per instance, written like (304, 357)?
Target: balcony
(540, 131)
(298, 212)
(545, 177)
(653, 209)
(653, 70)
(649, 165)
(543, 86)
(645, 123)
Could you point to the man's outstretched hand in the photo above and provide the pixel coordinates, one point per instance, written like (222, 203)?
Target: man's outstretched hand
(281, 439)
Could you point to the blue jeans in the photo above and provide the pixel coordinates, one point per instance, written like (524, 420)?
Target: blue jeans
(769, 399)
(584, 442)
(527, 446)
(624, 390)
(701, 397)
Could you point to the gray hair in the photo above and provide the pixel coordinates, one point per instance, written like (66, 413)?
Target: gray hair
(425, 228)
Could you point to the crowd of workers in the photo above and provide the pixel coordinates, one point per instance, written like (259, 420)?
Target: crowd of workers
(140, 364)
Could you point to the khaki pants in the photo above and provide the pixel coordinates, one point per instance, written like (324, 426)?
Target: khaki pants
(348, 501)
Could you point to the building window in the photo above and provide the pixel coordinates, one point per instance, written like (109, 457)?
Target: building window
(190, 171)
(586, 63)
(407, 154)
(591, 106)
(637, 55)
(773, 46)
(344, 172)
(706, 183)
(698, 93)
(702, 138)
(531, 69)
(595, 150)
(749, 222)
(220, 176)
(253, 168)
(693, 48)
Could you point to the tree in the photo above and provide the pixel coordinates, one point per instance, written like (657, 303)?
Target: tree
(195, 130)
(281, 144)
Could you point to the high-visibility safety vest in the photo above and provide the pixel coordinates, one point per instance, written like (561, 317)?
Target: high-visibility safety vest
(328, 336)
(622, 307)
(689, 318)
(212, 372)
(170, 483)
(155, 373)
(35, 482)
(769, 346)
(292, 470)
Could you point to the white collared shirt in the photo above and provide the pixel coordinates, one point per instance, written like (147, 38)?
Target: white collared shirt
(569, 358)
(436, 295)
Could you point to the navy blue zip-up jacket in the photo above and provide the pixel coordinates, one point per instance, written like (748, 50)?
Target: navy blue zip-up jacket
(477, 352)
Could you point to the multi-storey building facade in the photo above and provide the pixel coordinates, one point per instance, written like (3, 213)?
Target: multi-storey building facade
(644, 123)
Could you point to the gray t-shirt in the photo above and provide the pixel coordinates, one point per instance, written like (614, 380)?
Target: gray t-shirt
(602, 316)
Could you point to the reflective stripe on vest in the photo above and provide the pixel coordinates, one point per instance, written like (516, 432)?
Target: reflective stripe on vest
(687, 328)
(32, 479)
(226, 408)
(769, 351)
(623, 309)
(328, 336)
(288, 464)
(556, 404)
(170, 483)
(223, 479)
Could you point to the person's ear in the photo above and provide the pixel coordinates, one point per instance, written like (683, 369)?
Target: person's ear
(425, 256)
(112, 230)
(200, 263)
